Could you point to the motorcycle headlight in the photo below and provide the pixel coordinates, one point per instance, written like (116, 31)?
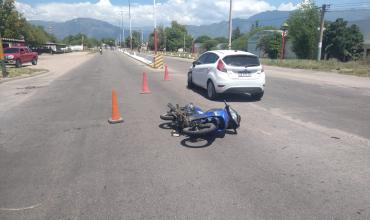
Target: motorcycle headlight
(234, 114)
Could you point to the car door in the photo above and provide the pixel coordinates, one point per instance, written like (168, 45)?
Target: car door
(28, 54)
(23, 55)
(208, 66)
(197, 69)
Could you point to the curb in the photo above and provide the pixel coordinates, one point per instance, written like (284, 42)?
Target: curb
(4, 80)
(147, 62)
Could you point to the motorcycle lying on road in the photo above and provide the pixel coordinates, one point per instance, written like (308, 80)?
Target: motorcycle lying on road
(194, 122)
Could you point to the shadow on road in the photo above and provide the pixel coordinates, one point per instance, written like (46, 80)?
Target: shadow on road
(227, 97)
(197, 142)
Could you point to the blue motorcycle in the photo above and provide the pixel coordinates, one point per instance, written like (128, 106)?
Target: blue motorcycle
(194, 122)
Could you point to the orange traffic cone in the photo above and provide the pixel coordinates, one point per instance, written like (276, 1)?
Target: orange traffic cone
(145, 87)
(166, 77)
(116, 118)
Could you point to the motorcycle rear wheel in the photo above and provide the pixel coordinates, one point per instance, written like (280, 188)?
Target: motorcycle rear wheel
(201, 130)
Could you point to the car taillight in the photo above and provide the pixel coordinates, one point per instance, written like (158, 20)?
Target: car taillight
(221, 66)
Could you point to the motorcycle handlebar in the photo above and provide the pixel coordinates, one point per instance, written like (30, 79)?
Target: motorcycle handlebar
(171, 107)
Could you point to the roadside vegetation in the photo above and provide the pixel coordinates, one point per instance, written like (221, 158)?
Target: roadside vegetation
(14, 25)
(341, 47)
(359, 68)
(14, 72)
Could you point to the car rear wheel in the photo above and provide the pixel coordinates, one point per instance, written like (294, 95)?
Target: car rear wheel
(211, 92)
(257, 95)
(18, 63)
(34, 61)
(190, 80)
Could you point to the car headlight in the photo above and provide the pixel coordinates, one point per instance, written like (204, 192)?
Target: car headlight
(10, 57)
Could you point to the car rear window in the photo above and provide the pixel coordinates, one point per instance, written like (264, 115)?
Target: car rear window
(242, 60)
(11, 50)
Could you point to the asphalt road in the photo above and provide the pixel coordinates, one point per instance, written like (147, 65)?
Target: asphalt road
(301, 153)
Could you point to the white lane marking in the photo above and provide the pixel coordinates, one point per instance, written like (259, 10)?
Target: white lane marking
(21, 209)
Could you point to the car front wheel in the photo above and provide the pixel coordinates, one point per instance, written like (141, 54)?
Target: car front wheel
(34, 61)
(18, 63)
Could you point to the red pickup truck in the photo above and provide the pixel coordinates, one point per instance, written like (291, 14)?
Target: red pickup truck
(20, 55)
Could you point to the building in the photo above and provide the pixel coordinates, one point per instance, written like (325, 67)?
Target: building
(10, 42)
(55, 47)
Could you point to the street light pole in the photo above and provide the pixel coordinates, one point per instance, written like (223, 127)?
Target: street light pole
(155, 27)
(230, 24)
(123, 31)
(323, 10)
(129, 14)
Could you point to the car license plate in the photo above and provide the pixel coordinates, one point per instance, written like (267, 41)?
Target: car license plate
(244, 74)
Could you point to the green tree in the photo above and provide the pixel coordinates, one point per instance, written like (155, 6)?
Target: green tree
(236, 34)
(209, 44)
(303, 24)
(136, 39)
(202, 39)
(342, 42)
(14, 25)
(108, 41)
(172, 38)
(242, 42)
(11, 22)
(221, 39)
(270, 44)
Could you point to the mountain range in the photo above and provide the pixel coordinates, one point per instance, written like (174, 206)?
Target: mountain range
(101, 29)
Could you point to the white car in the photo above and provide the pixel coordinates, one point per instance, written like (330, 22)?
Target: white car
(228, 71)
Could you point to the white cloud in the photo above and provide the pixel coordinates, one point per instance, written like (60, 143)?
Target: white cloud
(184, 11)
(287, 7)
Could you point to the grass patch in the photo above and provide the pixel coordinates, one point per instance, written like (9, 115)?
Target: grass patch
(359, 68)
(14, 72)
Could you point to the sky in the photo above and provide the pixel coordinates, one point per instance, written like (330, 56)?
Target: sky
(195, 12)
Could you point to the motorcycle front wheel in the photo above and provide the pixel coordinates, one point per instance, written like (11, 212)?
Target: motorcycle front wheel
(200, 130)
(167, 117)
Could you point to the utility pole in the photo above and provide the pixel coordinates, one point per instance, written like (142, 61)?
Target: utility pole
(184, 42)
(323, 10)
(155, 28)
(129, 15)
(142, 36)
(123, 31)
(2, 58)
(230, 23)
(82, 42)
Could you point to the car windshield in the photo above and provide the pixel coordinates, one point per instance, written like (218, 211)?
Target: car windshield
(11, 50)
(241, 60)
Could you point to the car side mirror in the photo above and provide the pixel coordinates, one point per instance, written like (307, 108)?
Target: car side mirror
(196, 63)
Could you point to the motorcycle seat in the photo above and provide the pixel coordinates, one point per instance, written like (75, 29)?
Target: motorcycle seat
(196, 117)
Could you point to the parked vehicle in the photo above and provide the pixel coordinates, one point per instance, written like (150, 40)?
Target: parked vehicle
(19, 55)
(228, 71)
(193, 121)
